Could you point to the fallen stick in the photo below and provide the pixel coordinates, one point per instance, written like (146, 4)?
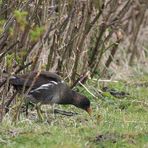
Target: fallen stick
(62, 112)
(105, 80)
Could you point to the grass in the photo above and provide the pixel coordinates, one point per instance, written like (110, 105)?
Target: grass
(116, 122)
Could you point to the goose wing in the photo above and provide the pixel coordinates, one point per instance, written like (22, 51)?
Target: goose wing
(43, 78)
(44, 94)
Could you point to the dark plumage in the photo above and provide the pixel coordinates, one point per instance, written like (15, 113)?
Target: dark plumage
(48, 88)
(58, 93)
(40, 78)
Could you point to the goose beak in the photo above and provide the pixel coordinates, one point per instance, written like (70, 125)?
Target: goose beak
(89, 110)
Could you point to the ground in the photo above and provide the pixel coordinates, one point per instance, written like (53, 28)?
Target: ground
(116, 122)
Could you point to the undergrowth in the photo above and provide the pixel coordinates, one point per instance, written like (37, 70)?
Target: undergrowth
(116, 122)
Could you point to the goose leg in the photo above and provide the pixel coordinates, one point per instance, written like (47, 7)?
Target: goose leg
(39, 112)
(27, 106)
(53, 113)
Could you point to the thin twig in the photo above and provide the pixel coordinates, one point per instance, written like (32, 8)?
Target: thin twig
(9, 102)
(105, 80)
(87, 90)
(7, 50)
(17, 71)
(23, 67)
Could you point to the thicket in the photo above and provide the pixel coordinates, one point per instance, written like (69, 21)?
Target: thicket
(74, 38)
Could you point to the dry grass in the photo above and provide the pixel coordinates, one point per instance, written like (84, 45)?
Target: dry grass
(115, 123)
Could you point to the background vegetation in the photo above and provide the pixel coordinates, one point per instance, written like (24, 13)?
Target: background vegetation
(83, 41)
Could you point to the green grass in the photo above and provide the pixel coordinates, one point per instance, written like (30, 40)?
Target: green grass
(115, 123)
